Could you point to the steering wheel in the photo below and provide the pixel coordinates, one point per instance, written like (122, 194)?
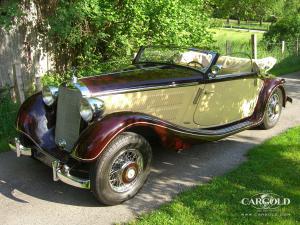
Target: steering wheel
(195, 64)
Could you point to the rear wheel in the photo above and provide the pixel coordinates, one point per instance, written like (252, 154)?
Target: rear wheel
(120, 172)
(273, 110)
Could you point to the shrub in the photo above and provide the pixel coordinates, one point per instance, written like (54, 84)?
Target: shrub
(286, 29)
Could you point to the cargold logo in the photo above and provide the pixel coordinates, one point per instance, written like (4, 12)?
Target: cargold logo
(266, 201)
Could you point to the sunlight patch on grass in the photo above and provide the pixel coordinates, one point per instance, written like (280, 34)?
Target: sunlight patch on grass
(273, 166)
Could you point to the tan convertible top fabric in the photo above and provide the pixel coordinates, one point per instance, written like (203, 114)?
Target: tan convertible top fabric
(229, 64)
(238, 65)
(191, 56)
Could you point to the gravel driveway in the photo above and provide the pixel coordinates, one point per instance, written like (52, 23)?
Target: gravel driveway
(28, 195)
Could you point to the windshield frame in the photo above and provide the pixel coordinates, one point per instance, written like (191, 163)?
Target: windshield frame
(136, 59)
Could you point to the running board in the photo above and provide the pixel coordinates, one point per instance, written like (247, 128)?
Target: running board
(216, 134)
(230, 129)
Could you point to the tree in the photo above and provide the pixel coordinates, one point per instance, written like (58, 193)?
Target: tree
(254, 9)
(86, 33)
(285, 29)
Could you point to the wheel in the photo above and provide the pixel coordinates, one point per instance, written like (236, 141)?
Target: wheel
(273, 110)
(122, 169)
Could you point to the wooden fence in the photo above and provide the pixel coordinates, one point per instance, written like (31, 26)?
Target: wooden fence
(254, 49)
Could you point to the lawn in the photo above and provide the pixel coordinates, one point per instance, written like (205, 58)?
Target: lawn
(271, 167)
(221, 35)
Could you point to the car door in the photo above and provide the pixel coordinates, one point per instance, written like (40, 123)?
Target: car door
(227, 98)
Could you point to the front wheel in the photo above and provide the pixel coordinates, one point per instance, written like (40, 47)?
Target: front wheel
(120, 172)
(273, 110)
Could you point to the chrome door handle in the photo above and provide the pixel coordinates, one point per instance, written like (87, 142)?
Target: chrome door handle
(199, 92)
(208, 92)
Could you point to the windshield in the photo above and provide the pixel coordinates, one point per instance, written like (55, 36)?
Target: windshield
(188, 57)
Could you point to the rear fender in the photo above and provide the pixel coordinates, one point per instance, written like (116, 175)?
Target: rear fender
(270, 84)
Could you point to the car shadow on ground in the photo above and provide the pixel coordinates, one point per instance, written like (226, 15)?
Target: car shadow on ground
(171, 173)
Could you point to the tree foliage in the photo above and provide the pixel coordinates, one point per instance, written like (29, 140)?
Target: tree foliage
(286, 29)
(86, 33)
(258, 10)
(10, 13)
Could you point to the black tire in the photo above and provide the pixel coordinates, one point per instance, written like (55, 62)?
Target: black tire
(117, 154)
(272, 112)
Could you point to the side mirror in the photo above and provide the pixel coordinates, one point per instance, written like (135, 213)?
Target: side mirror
(215, 69)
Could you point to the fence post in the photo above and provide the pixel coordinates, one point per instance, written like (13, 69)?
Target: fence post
(254, 46)
(228, 47)
(282, 47)
(18, 81)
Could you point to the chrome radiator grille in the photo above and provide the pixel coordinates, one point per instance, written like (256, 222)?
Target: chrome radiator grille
(67, 118)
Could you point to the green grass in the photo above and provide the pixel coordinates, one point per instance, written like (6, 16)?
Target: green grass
(239, 40)
(286, 66)
(273, 166)
(8, 111)
(221, 35)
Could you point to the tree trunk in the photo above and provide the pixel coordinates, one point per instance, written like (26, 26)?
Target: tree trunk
(260, 21)
(239, 21)
(228, 20)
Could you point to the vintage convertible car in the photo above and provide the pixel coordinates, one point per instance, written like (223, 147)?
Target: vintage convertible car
(97, 132)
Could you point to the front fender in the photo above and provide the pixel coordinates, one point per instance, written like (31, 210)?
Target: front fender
(36, 125)
(98, 135)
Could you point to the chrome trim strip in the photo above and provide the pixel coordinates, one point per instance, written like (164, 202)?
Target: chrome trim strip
(127, 90)
(236, 75)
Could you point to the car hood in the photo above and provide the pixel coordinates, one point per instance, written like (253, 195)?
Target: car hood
(137, 77)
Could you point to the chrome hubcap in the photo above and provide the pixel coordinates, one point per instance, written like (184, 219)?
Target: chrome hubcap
(273, 108)
(130, 173)
(125, 170)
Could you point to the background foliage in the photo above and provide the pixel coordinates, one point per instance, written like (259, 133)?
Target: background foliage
(102, 30)
(286, 29)
(10, 13)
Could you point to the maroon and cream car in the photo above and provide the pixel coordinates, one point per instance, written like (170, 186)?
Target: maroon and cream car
(97, 132)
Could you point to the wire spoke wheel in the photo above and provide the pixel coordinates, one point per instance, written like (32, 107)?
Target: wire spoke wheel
(273, 109)
(125, 170)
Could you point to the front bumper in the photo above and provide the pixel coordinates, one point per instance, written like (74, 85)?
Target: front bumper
(61, 171)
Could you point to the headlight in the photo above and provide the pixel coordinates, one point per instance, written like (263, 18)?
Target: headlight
(49, 94)
(90, 108)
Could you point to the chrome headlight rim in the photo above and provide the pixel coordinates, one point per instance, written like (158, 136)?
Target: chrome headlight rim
(91, 108)
(49, 94)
